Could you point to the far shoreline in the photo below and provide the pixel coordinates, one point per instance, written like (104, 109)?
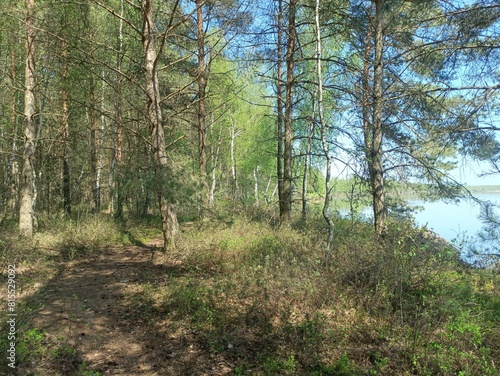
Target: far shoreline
(484, 189)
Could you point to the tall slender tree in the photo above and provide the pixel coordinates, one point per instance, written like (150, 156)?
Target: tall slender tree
(12, 166)
(155, 121)
(202, 85)
(116, 173)
(279, 105)
(376, 150)
(26, 211)
(286, 213)
(324, 128)
(65, 149)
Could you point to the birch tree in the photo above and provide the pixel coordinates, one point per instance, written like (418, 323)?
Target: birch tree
(27, 197)
(324, 129)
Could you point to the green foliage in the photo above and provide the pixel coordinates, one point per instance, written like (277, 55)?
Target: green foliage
(31, 346)
(80, 237)
(273, 366)
(265, 299)
(241, 111)
(277, 284)
(343, 366)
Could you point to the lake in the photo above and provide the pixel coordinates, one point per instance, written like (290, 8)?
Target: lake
(454, 222)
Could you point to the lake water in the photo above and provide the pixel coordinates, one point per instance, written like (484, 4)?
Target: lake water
(458, 222)
(453, 220)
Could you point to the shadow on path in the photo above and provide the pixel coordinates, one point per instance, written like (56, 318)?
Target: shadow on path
(87, 307)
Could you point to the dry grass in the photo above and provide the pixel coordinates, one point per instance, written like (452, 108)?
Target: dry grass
(379, 307)
(253, 299)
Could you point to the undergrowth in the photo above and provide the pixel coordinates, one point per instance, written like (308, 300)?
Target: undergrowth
(265, 299)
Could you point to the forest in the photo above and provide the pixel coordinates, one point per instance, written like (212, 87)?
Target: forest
(173, 172)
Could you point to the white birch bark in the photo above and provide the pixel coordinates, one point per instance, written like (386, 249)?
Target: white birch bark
(26, 214)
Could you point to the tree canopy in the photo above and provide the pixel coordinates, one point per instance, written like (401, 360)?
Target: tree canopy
(115, 106)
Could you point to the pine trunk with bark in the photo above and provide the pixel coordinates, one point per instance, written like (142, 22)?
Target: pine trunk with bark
(12, 178)
(372, 112)
(377, 174)
(285, 216)
(115, 178)
(170, 225)
(279, 105)
(202, 85)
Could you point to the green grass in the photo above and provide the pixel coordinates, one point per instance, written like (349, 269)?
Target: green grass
(265, 299)
(391, 307)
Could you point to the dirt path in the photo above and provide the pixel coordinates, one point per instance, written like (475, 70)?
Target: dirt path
(93, 309)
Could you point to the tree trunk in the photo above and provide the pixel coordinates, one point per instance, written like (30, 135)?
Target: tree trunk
(202, 84)
(167, 211)
(215, 164)
(366, 96)
(256, 185)
(377, 177)
(279, 105)
(100, 149)
(288, 147)
(12, 179)
(324, 143)
(26, 214)
(266, 192)
(235, 189)
(96, 196)
(307, 161)
(115, 178)
(66, 172)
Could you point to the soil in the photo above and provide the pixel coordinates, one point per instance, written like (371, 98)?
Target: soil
(92, 307)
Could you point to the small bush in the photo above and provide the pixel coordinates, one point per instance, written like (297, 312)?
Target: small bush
(79, 238)
(66, 359)
(31, 346)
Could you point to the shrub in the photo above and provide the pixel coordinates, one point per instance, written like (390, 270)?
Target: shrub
(78, 238)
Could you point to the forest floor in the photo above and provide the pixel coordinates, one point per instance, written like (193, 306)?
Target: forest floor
(92, 326)
(243, 297)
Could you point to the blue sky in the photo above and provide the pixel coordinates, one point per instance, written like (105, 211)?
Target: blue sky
(468, 173)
